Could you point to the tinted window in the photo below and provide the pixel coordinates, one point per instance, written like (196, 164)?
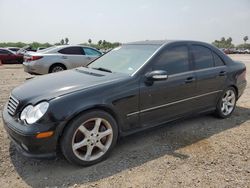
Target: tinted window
(126, 58)
(91, 52)
(173, 60)
(202, 57)
(72, 51)
(217, 60)
(4, 52)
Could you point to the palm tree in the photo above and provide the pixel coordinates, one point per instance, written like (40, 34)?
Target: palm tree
(100, 42)
(245, 39)
(66, 40)
(104, 42)
(62, 42)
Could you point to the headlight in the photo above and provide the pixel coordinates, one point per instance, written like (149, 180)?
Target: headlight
(31, 114)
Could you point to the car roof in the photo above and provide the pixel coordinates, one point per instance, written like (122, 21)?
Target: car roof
(163, 42)
(149, 42)
(5, 49)
(65, 46)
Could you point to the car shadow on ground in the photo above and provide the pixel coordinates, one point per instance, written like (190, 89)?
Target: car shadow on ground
(131, 151)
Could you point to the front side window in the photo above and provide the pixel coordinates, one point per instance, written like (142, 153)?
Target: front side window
(125, 59)
(203, 57)
(173, 60)
(72, 51)
(91, 52)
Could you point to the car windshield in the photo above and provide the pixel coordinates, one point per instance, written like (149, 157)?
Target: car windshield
(124, 59)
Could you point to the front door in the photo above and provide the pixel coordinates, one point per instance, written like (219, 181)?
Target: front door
(167, 99)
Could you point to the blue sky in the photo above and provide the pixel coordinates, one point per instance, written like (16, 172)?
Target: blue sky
(123, 21)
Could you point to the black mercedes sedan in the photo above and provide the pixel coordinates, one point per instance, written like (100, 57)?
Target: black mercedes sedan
(82, 112)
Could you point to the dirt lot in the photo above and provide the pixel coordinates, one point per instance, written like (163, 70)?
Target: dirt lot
(198, 152)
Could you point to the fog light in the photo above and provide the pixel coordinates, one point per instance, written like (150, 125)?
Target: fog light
(45, 134)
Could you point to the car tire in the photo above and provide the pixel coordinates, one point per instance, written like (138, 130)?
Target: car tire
(57, 68)
(84, 142)
(226, 103)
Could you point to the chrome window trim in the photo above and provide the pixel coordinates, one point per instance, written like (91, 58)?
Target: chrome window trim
(175, 102)
(194, 71)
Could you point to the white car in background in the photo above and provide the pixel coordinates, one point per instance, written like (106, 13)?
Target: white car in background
(59, 58)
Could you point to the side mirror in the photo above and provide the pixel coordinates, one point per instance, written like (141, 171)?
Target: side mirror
(156, 75)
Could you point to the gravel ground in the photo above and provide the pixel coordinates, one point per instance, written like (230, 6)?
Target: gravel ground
(197, 152)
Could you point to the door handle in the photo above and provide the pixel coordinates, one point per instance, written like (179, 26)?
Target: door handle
(64, 57)
(89, 58)
(189, 80)
(222, 73)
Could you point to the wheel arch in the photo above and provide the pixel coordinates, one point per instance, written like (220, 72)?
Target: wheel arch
(57, 63)
(236, 89)
(88, 109)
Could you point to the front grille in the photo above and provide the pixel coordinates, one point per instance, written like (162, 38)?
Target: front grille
(12, 105)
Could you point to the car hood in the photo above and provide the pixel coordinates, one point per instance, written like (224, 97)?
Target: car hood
(57, 84)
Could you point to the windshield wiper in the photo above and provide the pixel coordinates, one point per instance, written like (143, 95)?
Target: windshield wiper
(101, 69)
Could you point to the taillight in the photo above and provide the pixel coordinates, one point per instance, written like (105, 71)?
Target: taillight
(33, 58)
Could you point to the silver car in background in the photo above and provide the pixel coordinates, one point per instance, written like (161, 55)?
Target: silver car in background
(59, 58)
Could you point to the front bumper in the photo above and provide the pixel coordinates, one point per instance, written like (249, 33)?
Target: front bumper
(24, 137)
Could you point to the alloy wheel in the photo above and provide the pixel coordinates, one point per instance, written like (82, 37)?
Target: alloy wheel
(57, 69)
(92, 139)
(228, 102)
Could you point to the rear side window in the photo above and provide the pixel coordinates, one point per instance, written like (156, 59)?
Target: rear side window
(91, 52)
(173, 60)
(217, 60)
(72, 51)
(203, 57)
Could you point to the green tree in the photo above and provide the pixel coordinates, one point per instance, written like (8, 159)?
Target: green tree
(229, 40)
(104, 43)
(100, 42)
(62, 42)
(224, 43)
(66, 40)
(35, 45)
(245, 46)
(245, 39)
(89, 41)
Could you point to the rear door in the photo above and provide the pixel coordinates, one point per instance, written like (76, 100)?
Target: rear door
(167, 99)
(73, 56)
(211, 74)
(91, 54)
